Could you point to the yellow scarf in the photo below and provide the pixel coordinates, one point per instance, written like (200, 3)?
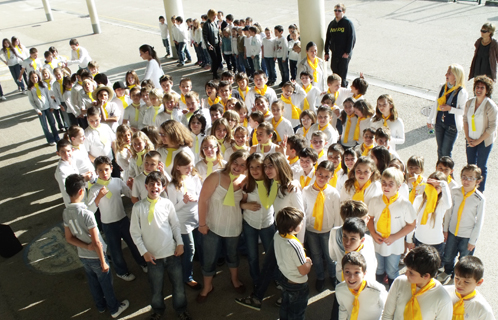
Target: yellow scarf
(8, 53)
(305, 131)
(356, 302)
(156, 111)
(123, 100)
(324, 127)
(60, 84)
(104, 107)
(296, 112)
(169, 156)
(366, 149)
(446, 93)
(152, 206)
(101, 136)
(137, 110)
(462, 205)
(132, 86)
(318, 207)
(275, 125)
(356, 136)
(210, 163)
(230, 196)
(211, 102)
(108, 195)
(34, 64)
(224, 104)
(18, 49)
(273, 193)
(412, 308)
(305, 180)
(359, 194)
(222, 145)
(245, 122)
(306, 104)
(385, 120)
(197, 149)
(292, 160)
(333, 180)
(314, 66)
(91, 98)
(243, 94)
(50, 64)
(236, 147)
(384, 223)
(78, 52)
(459, 307)
(139, 157)
(430, 206)
(183, 99)
(449, 179)
(263, 193)
(356, 97)
(415, 184)
(263, 145)
(47, 81)
(254, 138)
(348, 127)
(261, 91)
(38, 91)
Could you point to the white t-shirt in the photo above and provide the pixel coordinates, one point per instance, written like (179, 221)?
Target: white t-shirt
(371, 301)
(290, 255)
(476, 308)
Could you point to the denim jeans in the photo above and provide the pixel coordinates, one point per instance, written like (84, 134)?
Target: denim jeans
(250, 67)
(479, 155)
(166, 45)
(267, 273)
(207, 57)
(318, 244)
(446, 136)
(114, 232)
(229, 61)
(15, 71)
(283, 66)
(293, 68)
(256, 63)
(388, 265)
(52, 135)
(181, 52)
(173, 267)
(455, 245)
(438, 247)
(270, 67)
(59, 118)
(241, 63)
(252, 235)
(199, 53)
(294, 299)
(188, 256)
(211, 244)
(100, 284)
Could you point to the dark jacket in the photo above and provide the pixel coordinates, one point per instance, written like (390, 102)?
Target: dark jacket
(341, 37)
(211, 34)
(493, 58)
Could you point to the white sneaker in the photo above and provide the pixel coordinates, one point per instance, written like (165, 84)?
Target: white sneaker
(3, 98)
(127, 277)
(122, 307)
(25, 92)
(443, 277)
(145, 269)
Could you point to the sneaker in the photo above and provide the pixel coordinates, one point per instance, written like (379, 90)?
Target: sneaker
(185, 316)
(127, 276)
(3, 98)
(155, 316)
(250, 302)
(145, 269)
(443, 277)
(188, 61)
(180, 65)
(25, 92)
(278, 303)
(52, 144)
(102, 311)
(124, 305)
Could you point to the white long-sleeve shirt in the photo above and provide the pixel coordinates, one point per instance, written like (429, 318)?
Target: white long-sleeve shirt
(397, 129)
(164, 30)
(63, 170)
(476, 308)
(81, 57)
(372, 191)
(187, 213)
(371, 300)
(281, 48)
(251, 97)
(112, 208)
(331, 209)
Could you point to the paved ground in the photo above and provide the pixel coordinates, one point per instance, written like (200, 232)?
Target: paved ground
(403, 47)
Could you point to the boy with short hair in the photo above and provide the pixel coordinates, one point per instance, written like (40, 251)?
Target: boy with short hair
(225, 93)
(295, 144)
(357, 296)
(307, 159)
(163, 26)
(157, 107)
(364, 148)
(255, 119)
(281, 54)
(194, 107)
(318, 141)
(382, 138)
(93, 67)
(281, 125)
(166, 82)
(65, 167)
(446, 165)
(152, 163)
(185, 87)
(467, 301)
(260, 88)
(31, 64)
(80, 229)
(106, 194)
(312, 92)
(99, 137)
(181, 40)
(416, 294)
(156, 232)
(79, 55)
(293, 264)
(243, 85)
(268, 45)
(121, 99)
(324, 115)
(134, 116)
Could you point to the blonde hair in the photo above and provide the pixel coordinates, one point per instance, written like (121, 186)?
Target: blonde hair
(393, 174)
(148, 144)
(458, 72)
(490, 27)
(156, 93)
(181, 159)
(177, 132)
(120, 133)
(219, 156)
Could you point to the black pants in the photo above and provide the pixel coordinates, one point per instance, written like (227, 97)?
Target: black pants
(215, 55)
(340, 65)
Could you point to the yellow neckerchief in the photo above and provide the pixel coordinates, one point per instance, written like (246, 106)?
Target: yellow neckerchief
(263, 145)
(127, 146)
(261, 91)
(292, 160)
(291, 236)
(224, 104)
(104, 183)
(210, 164)
(245, 122)
(459, 307)
(211, 102)
(152, 207)
(243, 94)
(123, 100)
(415, 184)
(446, 93)
(358, 96)
(188, 115)
(183, 184)
(322, 152)
(91, 98)
(348, 127)
(137, 110)
(314, 66)
(132, 86)
(333, 180)
(94, 74)
(384, 223)
(262, 193)
(75, 147)
(431, 203)
(385, 120)
(236, 147)
(197, 149)
(34, 64)
(18, 49)
(222, 145)
(267, 113)
(305, 180)
(275, 125)
(156, 111)
(169, 156)
(356, 302)
(356, 136)
(273, 193)
(230, 196)
(47, 81)
(78, 52)
(167, 111)
(38, 91)
(359, 194)
(101, 136)
(183, 99)
(80, 83)
(296, 112)
(8, 53)
(139, 157)
(319, 206)
(104, 106)
(336, 94)
(449, 179)
(254, 138)
(50, 64)
(306, 104)
(462, 205)
(305, 131)
(324, 127)
(412, 308)
(366, 149)
(60, 83)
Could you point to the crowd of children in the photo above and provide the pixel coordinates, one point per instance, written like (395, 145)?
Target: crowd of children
(315, 168)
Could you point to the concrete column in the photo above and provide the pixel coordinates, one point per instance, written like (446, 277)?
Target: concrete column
(312, 24)
(94, 18)
(173, 8)
(48, 10)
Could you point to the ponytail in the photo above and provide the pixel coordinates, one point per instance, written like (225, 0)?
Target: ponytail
(151, 51)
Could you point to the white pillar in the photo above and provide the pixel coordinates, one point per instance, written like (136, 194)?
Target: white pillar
(312, 24)
(94, 18)
(173, 8)
(48, 10)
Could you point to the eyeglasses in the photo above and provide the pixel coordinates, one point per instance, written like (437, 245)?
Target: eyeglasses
(484, 31)
(210, 148)
(336, 10)
(469, 178)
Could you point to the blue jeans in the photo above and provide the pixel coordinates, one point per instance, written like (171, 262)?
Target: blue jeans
(270, 66)
(61, 123)
(268, 272)
(166, 45)
(446, 136)
(256, 61)
(211, 244)
(438, 247)
(388, 265)
(230, 62)
(114, 232)
(188, 256)
(100, 284)
(294, 299)
(479, 155)
(173, 267)
(241, 63)
(207, 57)
(52, 135)
(455, 245)
(319, 251)
(293, 68)
(199, 53)
(15, 71)
(181, 52)
(252, 235)
(283, 66)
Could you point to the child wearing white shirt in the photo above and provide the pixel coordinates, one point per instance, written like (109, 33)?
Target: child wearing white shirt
(386, 115)
(307, 160)
(65, 167)
(30, 64)
(294, 146)
(163, 26)
(281, 54)
(269, 56)
(283, 127)
(363, 184)
(254, 49)
(446, 165)
(324, 114)
(79, 55)
(260, 88)
(99, 137)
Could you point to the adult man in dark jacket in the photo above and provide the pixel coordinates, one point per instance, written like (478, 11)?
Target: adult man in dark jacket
(211, 36)
(340, 40)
